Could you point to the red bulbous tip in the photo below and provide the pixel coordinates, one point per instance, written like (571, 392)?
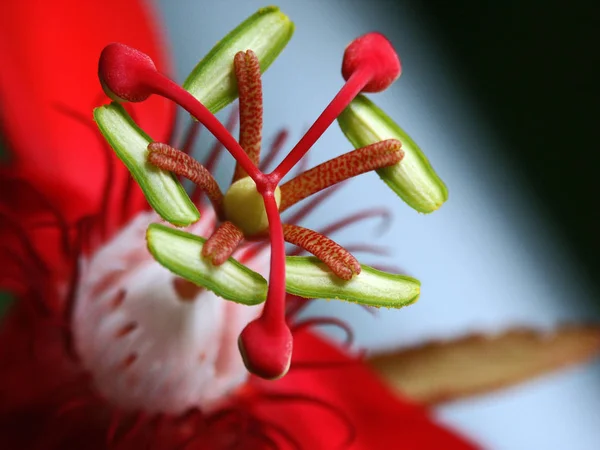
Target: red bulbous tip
(122, 71)
(266, 348)
(375, 51)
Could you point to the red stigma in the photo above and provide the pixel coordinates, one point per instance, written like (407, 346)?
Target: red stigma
(122, 70)
(266, 347)
(374, 51)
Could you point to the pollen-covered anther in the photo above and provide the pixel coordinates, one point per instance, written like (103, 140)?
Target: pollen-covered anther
(375, 52)
(247, 72)
(223, 242)
(168, 158)
(375, 156)
(336, 257)
(123, 70)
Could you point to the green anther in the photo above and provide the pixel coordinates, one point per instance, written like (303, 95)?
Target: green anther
(310, 278)
(180, 252)
(161, 188)
(413, 178)
(213, 81)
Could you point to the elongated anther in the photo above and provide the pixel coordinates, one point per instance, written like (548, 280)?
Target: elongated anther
(337, 258)
(247, 71)
(168, 158)
(223, 242)
(372, 157)
(375, 51)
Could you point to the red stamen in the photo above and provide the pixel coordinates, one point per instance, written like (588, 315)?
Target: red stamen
(313, 203)
(326, 321)
(372, 157)
(223, 242)
(218, 147)
(247, 71)
(167, 158)
(338, 259)
(192, 134)
(275, 149)
(383, 213)
(370, 249)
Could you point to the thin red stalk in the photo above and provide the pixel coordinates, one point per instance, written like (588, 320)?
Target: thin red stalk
(383, 213)
(326, 321)
(108, 158)
(217, 148)
(366, 248)
(164, 87)
(313, 203)
(275, 149)
(349, 91)
(295, 306)
(375, 156)
(191, 135)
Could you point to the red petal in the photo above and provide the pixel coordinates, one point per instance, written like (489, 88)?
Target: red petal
(49, 55)
(59, 166)
(379, 417)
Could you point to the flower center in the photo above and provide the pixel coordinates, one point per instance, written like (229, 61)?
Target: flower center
(244, 206)
(149, 346)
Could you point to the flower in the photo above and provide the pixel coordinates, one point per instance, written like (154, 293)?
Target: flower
(251, 207)
(78, 368)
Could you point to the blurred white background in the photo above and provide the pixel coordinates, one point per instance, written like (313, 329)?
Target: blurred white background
(487, 260)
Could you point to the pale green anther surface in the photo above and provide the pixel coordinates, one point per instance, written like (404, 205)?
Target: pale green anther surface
(161, 188)
(308, 277)
(413, 178)
(180, 252)
(213, 80)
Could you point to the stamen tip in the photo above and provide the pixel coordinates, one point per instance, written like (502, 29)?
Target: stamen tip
(375, 51)
(266, 349)
(121, 70)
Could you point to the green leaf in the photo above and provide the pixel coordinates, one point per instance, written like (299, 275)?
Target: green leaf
(161, 188)
(413, 178)
(309, 277)
(213, 80)
(180, 252)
